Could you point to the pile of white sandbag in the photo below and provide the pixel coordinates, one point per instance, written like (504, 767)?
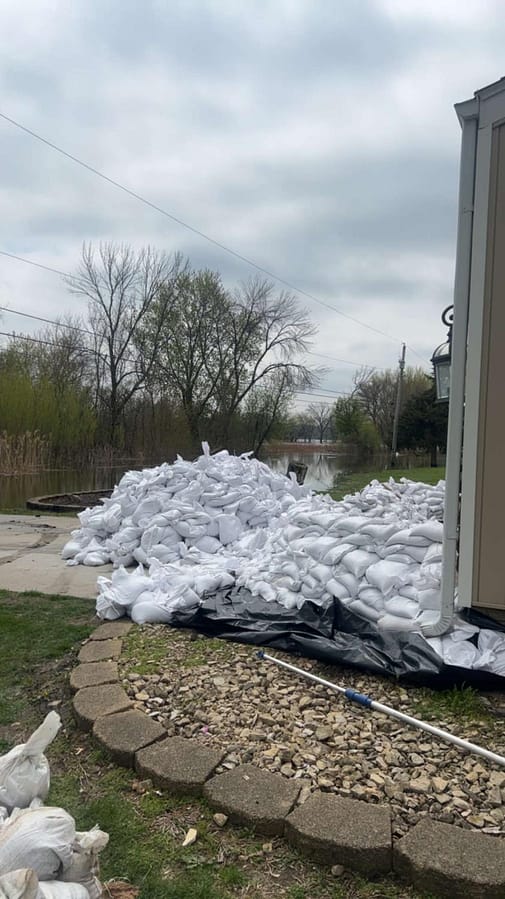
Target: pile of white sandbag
(160, 513)
(42, 855)
(223, 521)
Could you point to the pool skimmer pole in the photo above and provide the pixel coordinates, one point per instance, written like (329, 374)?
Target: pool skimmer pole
(369, 703)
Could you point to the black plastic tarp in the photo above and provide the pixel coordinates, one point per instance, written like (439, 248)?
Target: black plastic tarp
(333, 634)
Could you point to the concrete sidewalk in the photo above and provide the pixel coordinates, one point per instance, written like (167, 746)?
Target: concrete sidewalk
(30, 559)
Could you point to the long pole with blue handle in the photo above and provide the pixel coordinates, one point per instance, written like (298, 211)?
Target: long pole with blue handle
(370, 703)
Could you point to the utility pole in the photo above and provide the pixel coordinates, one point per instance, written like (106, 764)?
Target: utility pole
(394, 443)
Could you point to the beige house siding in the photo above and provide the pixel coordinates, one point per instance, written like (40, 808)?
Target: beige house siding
(488, 588)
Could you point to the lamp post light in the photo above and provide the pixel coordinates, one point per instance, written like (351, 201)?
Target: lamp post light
(441, 359)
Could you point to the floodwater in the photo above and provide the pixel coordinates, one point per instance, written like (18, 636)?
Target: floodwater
(322, 472)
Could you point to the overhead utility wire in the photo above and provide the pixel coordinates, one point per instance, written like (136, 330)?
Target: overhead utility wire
(299, 394)
(49, 321)
(196, 231)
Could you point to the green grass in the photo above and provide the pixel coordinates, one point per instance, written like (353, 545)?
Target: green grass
(354, 481)
(147, 652)
(35, 629)
(463, 703)
(38, 639)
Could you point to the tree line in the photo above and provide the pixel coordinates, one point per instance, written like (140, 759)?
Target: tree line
(365, 417)
(166, 356)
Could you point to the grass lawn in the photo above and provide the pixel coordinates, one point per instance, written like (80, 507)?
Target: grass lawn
(39, 638)
(354, 481)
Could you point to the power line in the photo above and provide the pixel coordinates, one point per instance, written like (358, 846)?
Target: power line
(59, 324)
(36, 264)
(48, 321)
(344, 361)
(191, 228)
(86, 331)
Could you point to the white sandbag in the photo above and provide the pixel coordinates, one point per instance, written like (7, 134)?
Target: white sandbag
(55, 889)
(112, 517)
(358, 561)
(432, 530)
(405, 536)
(364, 610)
(433, 553)
(84, 868)
(230, 528)
(388, 575)
(337, 588)
(70, 549)
(429, 599)
(462, 653)
(397, 623)
(95, 559)
(40, 838)
(24, 771)
(337, 553)
(371, 596)
(413, 553)
(401, 606)
(21, 884)
(208, 544)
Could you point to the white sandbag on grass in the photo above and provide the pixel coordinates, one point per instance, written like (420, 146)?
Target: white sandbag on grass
(55, 889)
(21, 884)
(24, 771)
(41, 839)
(84, 868)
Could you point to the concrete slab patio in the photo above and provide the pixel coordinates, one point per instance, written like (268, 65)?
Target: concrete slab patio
(30, 557)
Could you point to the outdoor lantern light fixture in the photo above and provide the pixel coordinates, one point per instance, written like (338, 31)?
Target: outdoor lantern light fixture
(441, 359)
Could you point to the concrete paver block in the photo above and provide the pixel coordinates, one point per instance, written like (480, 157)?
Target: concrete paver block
(92, 703)
(337, 831)
(251, 796)
(123, 734)
(111, 629)
(100, 650)
(46, 572)
(179, 765)
(450, 862)
(92, 674)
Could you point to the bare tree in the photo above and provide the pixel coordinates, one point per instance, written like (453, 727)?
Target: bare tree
(321, 415)
(121, 286)
(216, 348)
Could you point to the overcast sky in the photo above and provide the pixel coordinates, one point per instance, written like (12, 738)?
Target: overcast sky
(316, 137)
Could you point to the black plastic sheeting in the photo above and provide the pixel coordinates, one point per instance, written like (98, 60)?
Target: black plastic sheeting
(334, 635)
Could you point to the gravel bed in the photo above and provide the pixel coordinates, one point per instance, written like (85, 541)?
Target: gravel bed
(220, 694)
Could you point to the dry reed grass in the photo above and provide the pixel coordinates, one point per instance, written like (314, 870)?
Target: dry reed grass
(23, 453)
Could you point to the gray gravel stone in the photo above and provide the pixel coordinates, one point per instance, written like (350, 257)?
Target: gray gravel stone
(347, 832)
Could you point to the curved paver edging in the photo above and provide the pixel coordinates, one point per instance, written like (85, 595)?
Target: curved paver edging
(51, 504)
(443, 859)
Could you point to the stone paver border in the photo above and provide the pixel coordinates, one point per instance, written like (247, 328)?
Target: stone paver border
(327, 828)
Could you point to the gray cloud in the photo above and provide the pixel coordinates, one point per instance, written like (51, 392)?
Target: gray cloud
(317, 139)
